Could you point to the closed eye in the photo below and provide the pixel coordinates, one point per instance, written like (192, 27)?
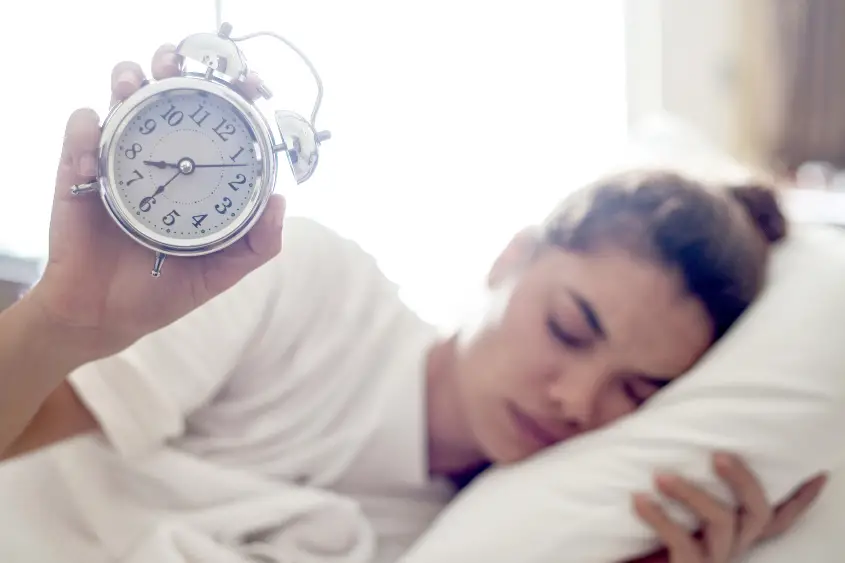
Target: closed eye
(564, 337)
(641, 389)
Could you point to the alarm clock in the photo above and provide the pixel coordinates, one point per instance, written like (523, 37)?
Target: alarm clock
(187, 164)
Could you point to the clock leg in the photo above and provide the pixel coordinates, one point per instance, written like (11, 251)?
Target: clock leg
(158, 263)
(79, 189)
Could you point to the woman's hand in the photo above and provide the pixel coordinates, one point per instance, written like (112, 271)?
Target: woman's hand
(726, 532)
(96, 296)
(97, 280)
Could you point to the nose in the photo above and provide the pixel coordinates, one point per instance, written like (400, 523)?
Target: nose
(576, 393)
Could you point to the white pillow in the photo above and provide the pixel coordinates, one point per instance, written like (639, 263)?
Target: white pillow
(772, 390)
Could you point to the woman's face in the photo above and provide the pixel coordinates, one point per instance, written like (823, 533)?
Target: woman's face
(571, 342)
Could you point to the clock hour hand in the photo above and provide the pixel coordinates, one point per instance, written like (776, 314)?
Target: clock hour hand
(161, 164)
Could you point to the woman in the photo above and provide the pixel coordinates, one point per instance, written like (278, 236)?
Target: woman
(311, 369)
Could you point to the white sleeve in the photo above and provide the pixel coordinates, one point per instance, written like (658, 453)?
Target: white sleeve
(142, 396)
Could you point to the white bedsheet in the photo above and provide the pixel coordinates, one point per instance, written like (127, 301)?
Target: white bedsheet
(203, 513)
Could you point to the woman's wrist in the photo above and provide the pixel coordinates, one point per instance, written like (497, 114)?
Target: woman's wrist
(36, 355)
(41, 344)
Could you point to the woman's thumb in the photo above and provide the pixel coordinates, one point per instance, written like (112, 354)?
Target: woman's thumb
(79, 152)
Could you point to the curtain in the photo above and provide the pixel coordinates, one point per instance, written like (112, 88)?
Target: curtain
(807, 85)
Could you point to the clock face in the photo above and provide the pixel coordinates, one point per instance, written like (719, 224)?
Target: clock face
(187, 166)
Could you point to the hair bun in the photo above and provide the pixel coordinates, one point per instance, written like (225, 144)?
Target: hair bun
(761, 204)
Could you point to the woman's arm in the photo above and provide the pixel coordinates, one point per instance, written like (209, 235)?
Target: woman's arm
(36, 355)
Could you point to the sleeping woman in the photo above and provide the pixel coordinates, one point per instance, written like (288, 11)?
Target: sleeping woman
(303, 365)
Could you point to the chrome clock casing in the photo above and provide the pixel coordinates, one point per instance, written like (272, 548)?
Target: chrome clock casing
(266, 153)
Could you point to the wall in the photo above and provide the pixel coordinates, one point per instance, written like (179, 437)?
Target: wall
(17, 275)
(700, 60)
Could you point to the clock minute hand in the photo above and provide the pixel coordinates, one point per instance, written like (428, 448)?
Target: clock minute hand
(218, 165)
(159, 190)
(164, 185)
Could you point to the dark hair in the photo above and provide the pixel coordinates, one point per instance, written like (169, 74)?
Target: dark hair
(716, 236)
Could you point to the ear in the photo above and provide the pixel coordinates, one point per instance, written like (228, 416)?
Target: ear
(519, 251)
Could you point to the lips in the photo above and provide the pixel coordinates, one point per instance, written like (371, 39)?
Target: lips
(532, 428)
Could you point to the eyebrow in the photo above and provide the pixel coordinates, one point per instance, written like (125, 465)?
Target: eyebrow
(589, 314)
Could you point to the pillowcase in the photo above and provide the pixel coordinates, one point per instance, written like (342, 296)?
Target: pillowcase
(772, 390)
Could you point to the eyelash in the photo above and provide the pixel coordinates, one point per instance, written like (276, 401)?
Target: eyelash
(568, 340)
(564, 337)
(628, 387)
(629, 390)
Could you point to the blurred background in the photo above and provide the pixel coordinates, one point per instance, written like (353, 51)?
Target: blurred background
(454, 123)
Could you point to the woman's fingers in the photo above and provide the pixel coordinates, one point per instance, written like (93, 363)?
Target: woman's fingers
(680, 543)
(262, 243)
(718, 521)
(795, 507)
(755, 512)
(725, 532)
(79, 151)
(250, 87)
(165, 62)
(126, 78)
(265, 238)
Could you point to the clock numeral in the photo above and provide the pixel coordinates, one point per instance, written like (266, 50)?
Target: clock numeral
(148, 127)
(133, 151)
(170, 218)
(138, 176)
(239, 180)
(225, 130)
(146, 204)
(173, 116)
(198, 219)
(227, 203)
(205, 114)
(237, 154)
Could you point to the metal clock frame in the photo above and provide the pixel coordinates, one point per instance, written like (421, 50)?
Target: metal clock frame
(116, 124)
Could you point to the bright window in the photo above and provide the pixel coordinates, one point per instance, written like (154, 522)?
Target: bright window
(59, 58)
(454, 123)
